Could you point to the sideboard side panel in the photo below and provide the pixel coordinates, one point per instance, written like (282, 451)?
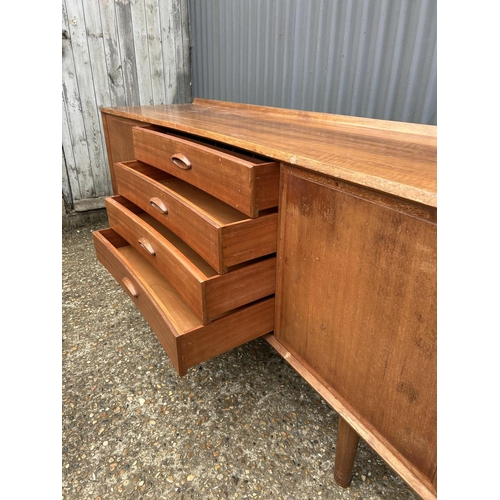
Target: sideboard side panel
(119, 141)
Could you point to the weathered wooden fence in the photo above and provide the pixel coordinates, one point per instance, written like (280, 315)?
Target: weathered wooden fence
(114, 53)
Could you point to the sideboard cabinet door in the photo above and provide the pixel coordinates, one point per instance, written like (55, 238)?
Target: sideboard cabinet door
(356, 304)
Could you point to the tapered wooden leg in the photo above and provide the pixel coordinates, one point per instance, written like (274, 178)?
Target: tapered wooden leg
(347, 445)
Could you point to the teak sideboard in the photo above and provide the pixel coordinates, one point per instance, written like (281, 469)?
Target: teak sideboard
(317, 231)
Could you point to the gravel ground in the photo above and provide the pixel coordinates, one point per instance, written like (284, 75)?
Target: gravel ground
(243, 425)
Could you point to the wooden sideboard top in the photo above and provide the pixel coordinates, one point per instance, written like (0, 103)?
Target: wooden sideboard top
(392, 157)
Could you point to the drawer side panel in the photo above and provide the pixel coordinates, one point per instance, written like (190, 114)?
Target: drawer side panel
(227, 333)
(255, 238)
(241, 286)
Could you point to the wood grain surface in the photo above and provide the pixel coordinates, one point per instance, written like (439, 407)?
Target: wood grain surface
(223, 236)
(356, 262)
(207, 293)
(392, 157)
(356, 304)
(234, 179)
(186, 341)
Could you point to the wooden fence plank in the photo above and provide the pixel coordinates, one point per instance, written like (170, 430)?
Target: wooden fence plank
(127, 51)
(115, 53)
(173, 14)
(79, 42)
(93, 28)
(155, 51)
(138, 15)
(112, 54)
(73, 130)
(66, 188)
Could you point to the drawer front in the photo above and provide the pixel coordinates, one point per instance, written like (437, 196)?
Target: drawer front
(107, 243)
(221, 235)
(207, 293)
(245, 183)
(186, 341)
(181, 217)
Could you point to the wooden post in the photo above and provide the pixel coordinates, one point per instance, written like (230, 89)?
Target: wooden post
(347, 445)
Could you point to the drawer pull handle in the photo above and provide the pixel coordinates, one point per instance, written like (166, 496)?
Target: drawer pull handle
(147, 246)
(181, 161)
(130, 288)
(159, 205)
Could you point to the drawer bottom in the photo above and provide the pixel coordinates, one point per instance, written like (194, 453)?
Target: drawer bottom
(185, 339)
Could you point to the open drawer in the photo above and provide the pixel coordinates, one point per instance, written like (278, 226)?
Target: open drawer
(208, 293)
(186, 341)
(222, 235)
(246, 183)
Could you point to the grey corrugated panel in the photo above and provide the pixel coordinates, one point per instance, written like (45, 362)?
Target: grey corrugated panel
(373, 58)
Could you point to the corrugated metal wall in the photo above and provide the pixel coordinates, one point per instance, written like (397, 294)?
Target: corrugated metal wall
(370, 58)
(115, 53)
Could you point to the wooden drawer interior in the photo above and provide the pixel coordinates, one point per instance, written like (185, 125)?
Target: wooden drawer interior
(186, 341)
(243, 182)
(222, 235)
(208, 293)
